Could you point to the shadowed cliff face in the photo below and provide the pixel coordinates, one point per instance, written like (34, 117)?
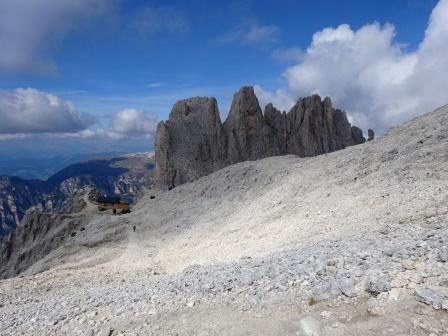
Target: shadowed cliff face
(191, 142)
(34, 240)
(42, 238)
(194, 142)
(17, 195)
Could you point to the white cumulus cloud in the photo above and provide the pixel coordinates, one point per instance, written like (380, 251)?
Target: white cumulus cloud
(134, 122)
(369, 74)
(29, 111)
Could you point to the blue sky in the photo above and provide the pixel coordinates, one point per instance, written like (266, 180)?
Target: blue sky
(102, 58)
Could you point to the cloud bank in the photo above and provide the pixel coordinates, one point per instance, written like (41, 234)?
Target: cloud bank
(370, 75)
(134, 123)
(30, 29)
(26, 113)
(29, 111)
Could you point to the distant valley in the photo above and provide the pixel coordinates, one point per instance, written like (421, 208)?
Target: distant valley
(127, 174)
(41, 167)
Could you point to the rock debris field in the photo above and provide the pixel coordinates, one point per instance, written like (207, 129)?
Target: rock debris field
(349, 243)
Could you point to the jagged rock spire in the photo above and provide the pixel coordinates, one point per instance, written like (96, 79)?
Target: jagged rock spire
(194, 142)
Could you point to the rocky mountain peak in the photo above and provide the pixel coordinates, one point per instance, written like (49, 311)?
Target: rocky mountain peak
(244, 127)
(327, 103)
(271, 113)
(199, 106)
(194, 142)
(245, 104)
(191, 141)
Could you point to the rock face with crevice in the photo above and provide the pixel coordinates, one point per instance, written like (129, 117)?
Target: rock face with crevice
(39, 235)
(194, 142)
(191, 143)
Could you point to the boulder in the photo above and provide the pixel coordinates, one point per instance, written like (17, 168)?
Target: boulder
(376, 286)
(376, 307)
(443, 254)
(429, 296)
(347, 287)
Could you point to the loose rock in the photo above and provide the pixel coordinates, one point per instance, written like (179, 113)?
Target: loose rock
(429, 296)
(375, 307)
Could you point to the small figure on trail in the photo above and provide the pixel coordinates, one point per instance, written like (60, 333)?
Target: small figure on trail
(134, 228)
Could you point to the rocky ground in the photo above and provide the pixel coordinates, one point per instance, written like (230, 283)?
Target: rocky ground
(350, 243)
(393, 282)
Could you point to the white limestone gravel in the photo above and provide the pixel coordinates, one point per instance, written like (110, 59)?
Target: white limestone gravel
(280, 246)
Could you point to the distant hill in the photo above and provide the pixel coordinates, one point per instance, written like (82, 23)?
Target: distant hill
(41, 167)
(126, 175)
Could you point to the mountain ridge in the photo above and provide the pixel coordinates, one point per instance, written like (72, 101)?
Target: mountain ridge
(128, 174)
(194, 142)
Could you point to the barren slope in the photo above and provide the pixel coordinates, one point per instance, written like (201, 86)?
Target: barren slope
(350, 243)
(254, 208)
